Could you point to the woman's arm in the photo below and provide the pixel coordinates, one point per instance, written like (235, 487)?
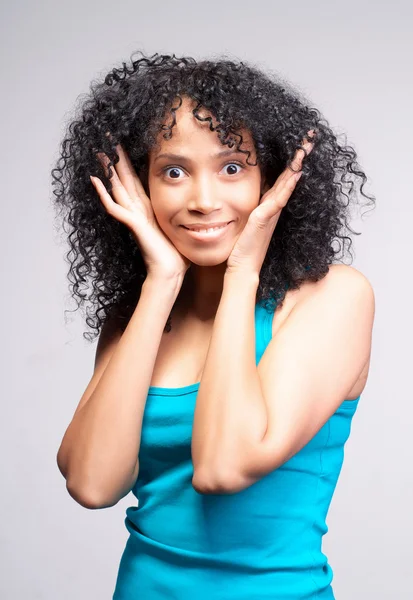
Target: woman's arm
(249, 420)
(98, 455)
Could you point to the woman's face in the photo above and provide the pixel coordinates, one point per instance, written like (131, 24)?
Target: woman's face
(200, 187)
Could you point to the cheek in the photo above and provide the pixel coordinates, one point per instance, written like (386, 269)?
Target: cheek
(160, 201)
(166, 213)
(249, 197)
(166, 201)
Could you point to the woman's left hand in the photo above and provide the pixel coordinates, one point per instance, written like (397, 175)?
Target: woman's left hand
(251, 247)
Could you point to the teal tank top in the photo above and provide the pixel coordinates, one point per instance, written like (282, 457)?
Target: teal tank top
(263, 543)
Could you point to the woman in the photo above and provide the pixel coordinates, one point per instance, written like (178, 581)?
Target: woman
(230, 361)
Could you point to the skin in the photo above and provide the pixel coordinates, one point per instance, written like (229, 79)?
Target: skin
(202, 188)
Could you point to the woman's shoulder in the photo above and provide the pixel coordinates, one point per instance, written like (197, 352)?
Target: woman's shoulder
(348, 270)
(338, 275)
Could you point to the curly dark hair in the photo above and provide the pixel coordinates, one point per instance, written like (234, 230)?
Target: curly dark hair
(131, 104)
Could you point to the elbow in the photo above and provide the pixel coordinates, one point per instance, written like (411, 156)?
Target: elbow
(87, 498)
(223, 483)
(78, 493)
(202, 486)
(61, 463)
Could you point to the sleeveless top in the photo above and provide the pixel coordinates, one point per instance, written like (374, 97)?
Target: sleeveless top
(261, 543)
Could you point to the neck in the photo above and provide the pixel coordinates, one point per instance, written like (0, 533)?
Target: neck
(201, 292)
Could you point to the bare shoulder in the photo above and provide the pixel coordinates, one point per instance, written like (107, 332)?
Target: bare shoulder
(340, 270)
(359, 294)
(342, 283)
(338, 275)
(345, 288)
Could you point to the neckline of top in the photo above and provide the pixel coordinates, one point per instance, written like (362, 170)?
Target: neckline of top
(266, 334)
(173, 391)
(193, 387)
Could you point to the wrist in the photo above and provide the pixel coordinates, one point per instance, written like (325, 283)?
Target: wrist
(167, 285)
(243, 278)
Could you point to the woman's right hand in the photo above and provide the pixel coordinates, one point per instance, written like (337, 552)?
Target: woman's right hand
(132, 207)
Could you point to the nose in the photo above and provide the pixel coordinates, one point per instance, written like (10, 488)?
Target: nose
(204, 195)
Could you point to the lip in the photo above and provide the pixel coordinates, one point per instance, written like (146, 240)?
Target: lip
(206, 225)
(206, 237)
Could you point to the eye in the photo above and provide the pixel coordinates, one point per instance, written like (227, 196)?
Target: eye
(236, 164)
(176, 169)
(171, 169)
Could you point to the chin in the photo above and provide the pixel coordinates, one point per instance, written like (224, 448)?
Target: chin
(208, 262)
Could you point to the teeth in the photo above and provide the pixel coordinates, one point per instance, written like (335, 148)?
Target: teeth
(208, 230)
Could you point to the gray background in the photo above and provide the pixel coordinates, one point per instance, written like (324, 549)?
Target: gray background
(351, 59)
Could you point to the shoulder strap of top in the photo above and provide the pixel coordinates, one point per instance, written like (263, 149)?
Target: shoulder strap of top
(263, 328)
(264, 314)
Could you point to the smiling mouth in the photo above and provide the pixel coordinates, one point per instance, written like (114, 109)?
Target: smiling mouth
(204, 229)
(205, 234)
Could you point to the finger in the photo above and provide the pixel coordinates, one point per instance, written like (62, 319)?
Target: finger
(102, 192)
(303, 151)
(295, 166)
(123, 169)
(300, 154)
(285, 191)
(127, 174)
(279, 196)
(120, 213)
(289, 172)
(119, 192)
(104, 161)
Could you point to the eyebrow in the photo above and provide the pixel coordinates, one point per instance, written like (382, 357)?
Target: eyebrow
(181, 157)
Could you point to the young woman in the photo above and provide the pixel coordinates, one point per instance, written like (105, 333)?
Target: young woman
(204, 201)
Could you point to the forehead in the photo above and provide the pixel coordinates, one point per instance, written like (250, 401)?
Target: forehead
(189, 133)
